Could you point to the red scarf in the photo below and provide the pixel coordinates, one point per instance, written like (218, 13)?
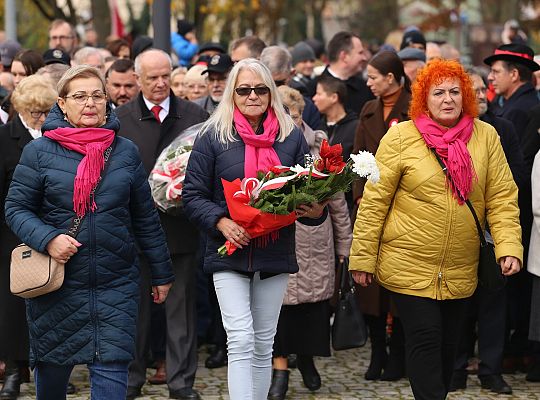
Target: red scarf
(451, 146)
(92, 143)
(259, 153)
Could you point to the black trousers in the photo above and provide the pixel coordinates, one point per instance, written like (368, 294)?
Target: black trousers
(180, 309)
(431, 335)
(488, 310)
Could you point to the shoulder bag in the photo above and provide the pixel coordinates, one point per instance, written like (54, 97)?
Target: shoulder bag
(33, 273)
(349, 328)
(490, 274)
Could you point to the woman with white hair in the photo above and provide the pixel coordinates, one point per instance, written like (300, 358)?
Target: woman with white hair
(248, 132)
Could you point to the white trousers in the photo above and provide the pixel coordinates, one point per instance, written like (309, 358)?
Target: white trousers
(250, 311)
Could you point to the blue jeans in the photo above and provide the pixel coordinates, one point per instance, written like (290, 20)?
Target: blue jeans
(250, 310)
(108, 381)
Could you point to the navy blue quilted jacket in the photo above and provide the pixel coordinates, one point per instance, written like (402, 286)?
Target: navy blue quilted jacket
(92, 317)
(205, 204)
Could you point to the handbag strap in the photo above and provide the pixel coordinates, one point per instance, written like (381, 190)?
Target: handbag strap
(478, 226)
(346, 280)
(76, 221)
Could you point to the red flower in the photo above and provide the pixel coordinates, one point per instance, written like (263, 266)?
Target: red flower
(330, 159)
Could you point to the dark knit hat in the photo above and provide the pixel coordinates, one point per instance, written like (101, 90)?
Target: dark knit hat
(184, 26)
(412, 37)
(317, 46)
(211, 46)
(140, 44)
(302, 52)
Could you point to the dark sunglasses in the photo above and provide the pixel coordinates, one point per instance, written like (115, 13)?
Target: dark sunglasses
(246, 91)
(280, 82)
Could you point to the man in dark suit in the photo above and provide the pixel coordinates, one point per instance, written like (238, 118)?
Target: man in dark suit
(512, 66)
(153, 120)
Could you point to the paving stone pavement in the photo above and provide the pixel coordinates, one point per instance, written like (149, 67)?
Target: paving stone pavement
(342, 378)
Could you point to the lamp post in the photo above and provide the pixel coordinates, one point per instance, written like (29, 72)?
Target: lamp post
(10, 19)
(161, 22)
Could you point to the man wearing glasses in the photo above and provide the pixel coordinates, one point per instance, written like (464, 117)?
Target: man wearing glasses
(218, 71)
(62, 35)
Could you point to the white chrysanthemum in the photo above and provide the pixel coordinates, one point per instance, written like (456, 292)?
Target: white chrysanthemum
(309, 160)
(364, 165)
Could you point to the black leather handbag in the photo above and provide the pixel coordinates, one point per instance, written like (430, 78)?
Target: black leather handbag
(349, 328)
(490, 274)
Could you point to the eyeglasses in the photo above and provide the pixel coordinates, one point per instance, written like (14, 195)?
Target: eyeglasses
(246, 91)
(82, 98)
(38, 114)
(280, 82)
(60, 38)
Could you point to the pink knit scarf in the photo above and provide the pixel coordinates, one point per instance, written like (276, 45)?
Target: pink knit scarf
(259, 153)
(92, 143)
(451, 146)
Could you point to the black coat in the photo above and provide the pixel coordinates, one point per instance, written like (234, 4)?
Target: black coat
(516, 108)
(510, 145)
(138, 124)
(13, 327)
(205, 204)
(357, 92)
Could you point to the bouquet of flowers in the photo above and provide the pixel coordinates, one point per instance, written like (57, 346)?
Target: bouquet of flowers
(267, 203)
(167, 178)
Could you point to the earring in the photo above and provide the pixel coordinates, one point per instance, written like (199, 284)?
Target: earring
(65, 117)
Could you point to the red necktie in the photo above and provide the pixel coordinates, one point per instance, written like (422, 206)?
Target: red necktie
(155, 110)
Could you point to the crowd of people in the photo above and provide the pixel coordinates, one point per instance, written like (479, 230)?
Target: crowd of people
(82, 127)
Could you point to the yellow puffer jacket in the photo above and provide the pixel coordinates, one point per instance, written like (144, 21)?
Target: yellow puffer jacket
(411, 232)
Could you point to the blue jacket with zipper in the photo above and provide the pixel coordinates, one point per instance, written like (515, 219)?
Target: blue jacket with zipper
(92, 317)
(204, 203)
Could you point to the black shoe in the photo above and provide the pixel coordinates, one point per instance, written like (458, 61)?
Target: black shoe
(184, 394)
(376, 364)
(310, 375)
(12, 385)
(534, 374)
(459, 380)
(495, 383)
(133, 392)
(280, 384)
(217, 358)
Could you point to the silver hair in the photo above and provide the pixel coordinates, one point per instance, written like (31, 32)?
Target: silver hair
(138, 59)
(79, 58)
(277, 59)
(221, 121)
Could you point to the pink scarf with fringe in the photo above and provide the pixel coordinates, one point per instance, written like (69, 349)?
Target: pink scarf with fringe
(259, 153)
(92, 143)
(451, 146)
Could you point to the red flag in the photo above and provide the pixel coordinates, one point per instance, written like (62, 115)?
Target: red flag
(117, 26)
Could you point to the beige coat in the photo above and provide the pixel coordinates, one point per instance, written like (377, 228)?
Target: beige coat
(411, 232)
(533, 262)
(317, 246)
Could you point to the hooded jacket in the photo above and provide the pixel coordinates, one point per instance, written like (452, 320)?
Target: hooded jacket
(92, 316)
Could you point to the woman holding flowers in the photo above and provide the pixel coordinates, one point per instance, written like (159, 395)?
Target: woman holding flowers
(248, 132)
(414, 233)
(91, 319)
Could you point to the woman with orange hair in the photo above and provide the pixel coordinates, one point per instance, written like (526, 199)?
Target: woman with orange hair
(414, 233)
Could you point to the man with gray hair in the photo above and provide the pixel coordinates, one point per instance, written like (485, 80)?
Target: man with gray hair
(89, 56)
(246, 47)
(279, 62)
(152, 120)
